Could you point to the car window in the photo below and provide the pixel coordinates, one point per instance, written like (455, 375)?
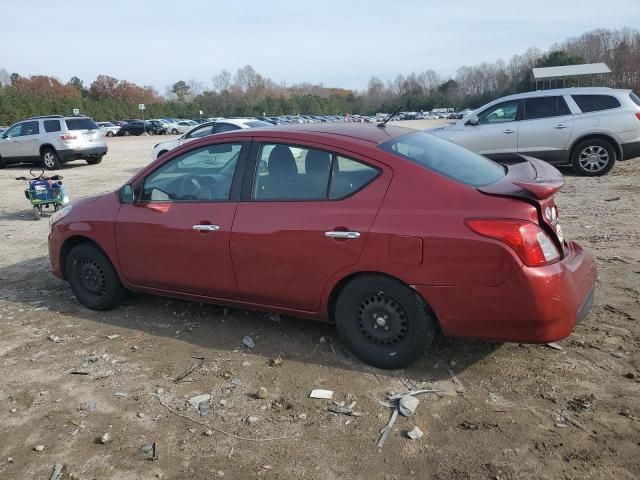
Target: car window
(446, 158)
(14, 131)
(544, 107)
(225, 127)
(595, 103)
(80, 124)
(259, 123)
(635, 98)
(502, 112)
(201, 132)
(348, 176)
(204, 174)
(51, 125)
(30, 128)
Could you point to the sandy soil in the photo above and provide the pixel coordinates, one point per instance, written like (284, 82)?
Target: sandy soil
(518, 411)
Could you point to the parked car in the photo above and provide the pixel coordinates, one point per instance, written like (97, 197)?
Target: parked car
(118, 123)
(182, 126)
(138, 127)
(389, 232)
(51, 141)
(220, 126)
(108, 129)
(587, 128)
(162, 129)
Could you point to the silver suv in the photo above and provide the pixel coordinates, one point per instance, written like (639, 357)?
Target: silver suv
(587, 128)
(51, 141)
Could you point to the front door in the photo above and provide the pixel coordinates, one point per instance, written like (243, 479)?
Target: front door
(305, 215)
(175, 237)
(496, 134)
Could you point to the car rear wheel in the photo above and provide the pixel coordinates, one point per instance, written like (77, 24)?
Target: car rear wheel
(93, 279)
(109, 134)
(127, 133)
(592, 158)
(174, 131)
(384, 322)
(50, 159)
(95, 160)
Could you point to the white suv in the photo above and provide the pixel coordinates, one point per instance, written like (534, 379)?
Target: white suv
(51, 141)
(587, 128)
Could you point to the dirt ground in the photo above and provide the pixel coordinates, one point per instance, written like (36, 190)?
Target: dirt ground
(516, 411)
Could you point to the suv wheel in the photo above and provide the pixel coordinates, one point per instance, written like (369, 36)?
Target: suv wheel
(50, 159)
(109, 134)
(94, 160)
(592, 158)
(384, 322)
(175, 131)
(93, 279)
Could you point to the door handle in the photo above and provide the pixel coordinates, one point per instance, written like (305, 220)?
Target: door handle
(508, 130)
(206, 228)
(560, 126)
(341, 234)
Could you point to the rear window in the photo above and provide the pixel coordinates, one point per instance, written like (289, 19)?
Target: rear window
(446, 158)
(259, 123)
(595, 103)
(635, 98)
(51, 125)
(544, 107)
(80, 124)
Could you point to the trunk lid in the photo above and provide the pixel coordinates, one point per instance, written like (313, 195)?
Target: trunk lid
(535, 182)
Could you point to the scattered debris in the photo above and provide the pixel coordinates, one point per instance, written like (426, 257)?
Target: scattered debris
(55, 339)
(197, 400)
(407, 405)
(113, 337)
(344, 410)
(393, 395)
(274, 317)
(203, 409)
(580, 404)
(261, 393)
(78, 372)
(275, 362)
(39, 448)
(121, 394)
(630, 375)
(614, 199)
(106, 438)
(154, 451)
(322, 394)
(251, 420)
(208, 433)
(248, 341)
(57, 471)
(13, 410)
(555, 346)
(415, 433)
(188, 371)
(455, 380)
(301, 416)
(90, 405)
(140, 415)
(386, 430)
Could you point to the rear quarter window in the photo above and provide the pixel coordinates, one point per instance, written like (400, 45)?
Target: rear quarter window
(445, 158)
(51, 126)
(635, 98)
(80, 124)
(595, 103)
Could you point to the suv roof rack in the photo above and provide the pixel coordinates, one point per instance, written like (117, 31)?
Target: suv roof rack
(45, 116)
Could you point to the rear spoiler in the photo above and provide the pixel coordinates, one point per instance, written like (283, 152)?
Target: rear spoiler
(532, 178)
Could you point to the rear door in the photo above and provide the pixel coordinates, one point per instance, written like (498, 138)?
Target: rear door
(545, 128)
(176, 236)
(305, 215)
(496, 135)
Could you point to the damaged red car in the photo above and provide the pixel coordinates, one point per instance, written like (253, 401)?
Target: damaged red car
(390, 233)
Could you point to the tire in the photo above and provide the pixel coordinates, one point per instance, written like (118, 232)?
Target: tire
(127, 133)
(109, 134)
(37, 213)
(151, 132)
(592, 158)
(162, 153)
(175, 131)
(94, 161)
(50, 159)
(93, 279)
(2, 163)
(384, 322)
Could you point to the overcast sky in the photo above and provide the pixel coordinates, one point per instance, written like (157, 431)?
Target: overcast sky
(338, 43)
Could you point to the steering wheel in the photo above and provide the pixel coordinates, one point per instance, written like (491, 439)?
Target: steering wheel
(198, 187)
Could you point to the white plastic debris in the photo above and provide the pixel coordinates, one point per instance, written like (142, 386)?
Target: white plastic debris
(320, 393)
(407, 405)
(248, 341)
(415, 433)
(197, 400)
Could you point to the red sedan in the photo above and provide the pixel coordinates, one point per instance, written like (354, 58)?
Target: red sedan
(388, 232)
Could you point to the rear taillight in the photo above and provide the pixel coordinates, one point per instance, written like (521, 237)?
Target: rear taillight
(67, 136)
(638, 115)
(528, 240)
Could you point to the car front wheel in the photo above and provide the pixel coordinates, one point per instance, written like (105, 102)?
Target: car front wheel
(384, 322)
(93, 279)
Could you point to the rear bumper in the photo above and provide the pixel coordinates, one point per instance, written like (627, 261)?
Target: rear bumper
(535, 305)
(630, 150)
(76, 153)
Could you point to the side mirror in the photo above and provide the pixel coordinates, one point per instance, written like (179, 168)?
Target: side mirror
(473, 121)
(126, 194)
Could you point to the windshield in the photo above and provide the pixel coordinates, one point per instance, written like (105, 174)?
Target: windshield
(446, 158)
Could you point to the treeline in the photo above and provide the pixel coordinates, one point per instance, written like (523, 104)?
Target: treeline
(249, 93)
